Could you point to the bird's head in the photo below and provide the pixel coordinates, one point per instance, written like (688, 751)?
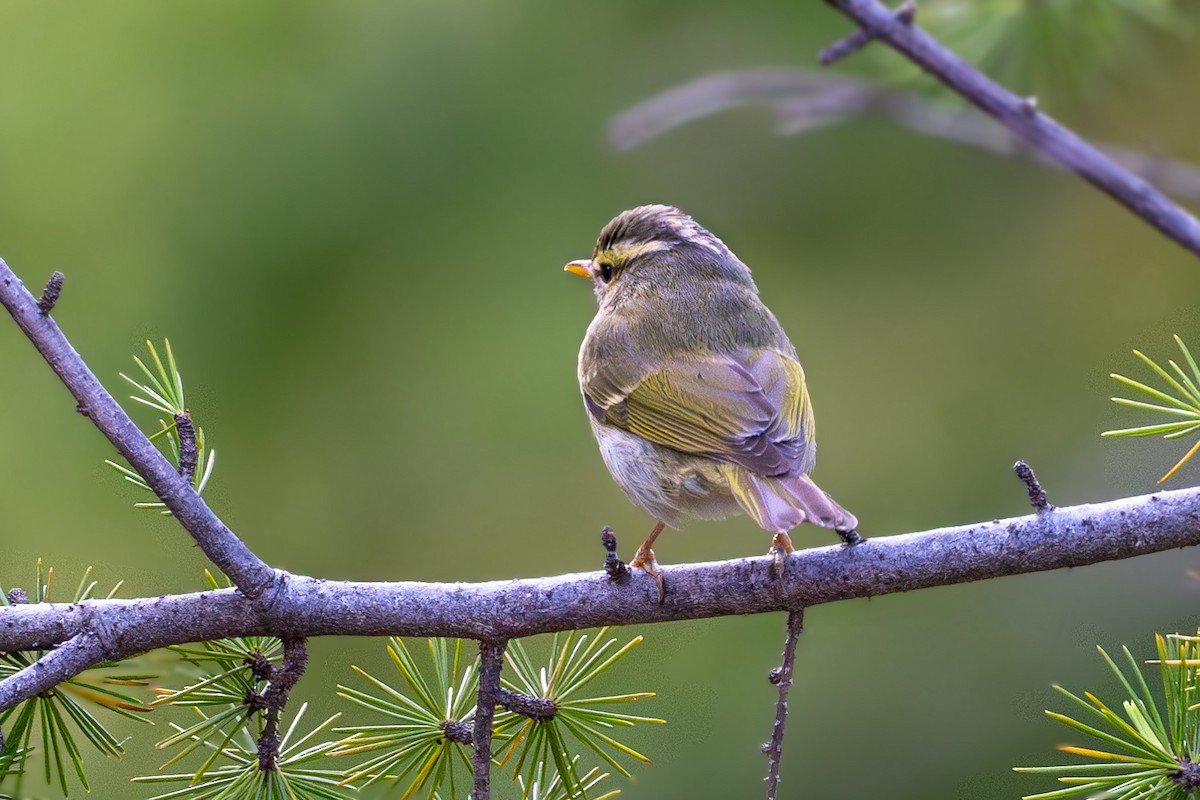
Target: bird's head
(657, 247)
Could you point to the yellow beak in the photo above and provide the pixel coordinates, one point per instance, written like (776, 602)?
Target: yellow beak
(582, 268)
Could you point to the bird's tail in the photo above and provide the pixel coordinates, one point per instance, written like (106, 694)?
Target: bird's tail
(780, 504)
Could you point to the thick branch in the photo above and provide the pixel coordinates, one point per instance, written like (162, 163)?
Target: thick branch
(1024, 120)
(498, 610)
(251, 575)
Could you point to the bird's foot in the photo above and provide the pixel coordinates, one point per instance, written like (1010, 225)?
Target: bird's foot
(851, 538)
(645, 561)
(781, 547)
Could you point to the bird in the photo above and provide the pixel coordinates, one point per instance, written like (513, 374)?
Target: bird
(693, 390)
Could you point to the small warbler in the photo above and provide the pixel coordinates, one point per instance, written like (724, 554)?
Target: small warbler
(692, 388)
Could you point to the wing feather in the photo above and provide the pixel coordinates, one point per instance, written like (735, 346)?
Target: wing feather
(750, 408)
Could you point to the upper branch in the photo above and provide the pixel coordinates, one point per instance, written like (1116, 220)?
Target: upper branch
(249, 573)
(1024, 120)
(498, 610)
(806, 101)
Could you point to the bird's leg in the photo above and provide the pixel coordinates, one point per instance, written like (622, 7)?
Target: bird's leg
(644, 558)
(781, 546)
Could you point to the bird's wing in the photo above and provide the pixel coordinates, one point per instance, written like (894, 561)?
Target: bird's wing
(750, 408)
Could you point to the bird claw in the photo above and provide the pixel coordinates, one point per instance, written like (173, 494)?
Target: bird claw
(644, 560)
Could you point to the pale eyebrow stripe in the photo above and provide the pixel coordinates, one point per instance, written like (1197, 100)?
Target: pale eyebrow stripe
(626, 252)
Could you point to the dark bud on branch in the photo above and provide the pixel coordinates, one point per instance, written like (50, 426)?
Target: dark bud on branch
(260, 665)
(1037, 495)
(613, 564)
(50, 293)
(1187, 777)
(189, 452)
(254, 702)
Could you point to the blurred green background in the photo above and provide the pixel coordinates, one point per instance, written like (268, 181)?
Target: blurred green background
(351, 219)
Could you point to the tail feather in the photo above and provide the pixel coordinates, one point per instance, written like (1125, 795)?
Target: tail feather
(780, 504)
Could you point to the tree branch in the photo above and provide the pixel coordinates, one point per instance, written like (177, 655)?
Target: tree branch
(499, 610)
(1024, 120)
(283, 678)
(805, 101)
(782, 678)
(249, 573)
(491, 659)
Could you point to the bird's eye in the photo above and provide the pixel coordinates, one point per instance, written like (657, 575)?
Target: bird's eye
(606, 271)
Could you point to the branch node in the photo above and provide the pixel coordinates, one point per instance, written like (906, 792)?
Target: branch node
(905, 14)
(260, 666)
(1037, 495)
(103, 631)
(1029, 106)
(17, 596)
(456, 731)
(50, 293)
(613, 565)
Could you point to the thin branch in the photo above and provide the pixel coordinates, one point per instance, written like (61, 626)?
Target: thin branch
(498, 610)
(538, 709)
(491, 659)
(856, 41)
(782, 677)
(78, 653)
(1024, 120)
(805, 101)
(283, 678)
(249, 573)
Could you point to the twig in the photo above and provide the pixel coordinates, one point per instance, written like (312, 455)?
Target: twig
(304, 606)
(862, 37)
(807, 101)
(249, 573)
(1025, 122)
(283, 678)
(491, 659)
(782, 677)
(539, 709)
(1037, 495)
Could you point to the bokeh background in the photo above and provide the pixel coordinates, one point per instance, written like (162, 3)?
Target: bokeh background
(350, 219)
